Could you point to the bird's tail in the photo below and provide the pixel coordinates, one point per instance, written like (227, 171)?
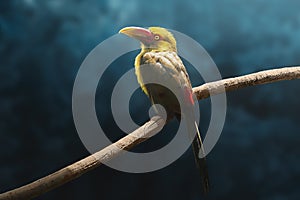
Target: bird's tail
(198, 149)
(201, 160)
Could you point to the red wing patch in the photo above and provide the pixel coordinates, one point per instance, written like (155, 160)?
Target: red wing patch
(188, 95)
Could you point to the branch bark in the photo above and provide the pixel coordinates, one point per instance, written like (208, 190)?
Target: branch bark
(268, 76)
(150, 128)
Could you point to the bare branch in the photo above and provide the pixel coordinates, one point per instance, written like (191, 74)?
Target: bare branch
(150, 128)
(269, 76)
(78, 168)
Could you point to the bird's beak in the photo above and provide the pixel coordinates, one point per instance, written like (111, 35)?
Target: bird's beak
(141, 34)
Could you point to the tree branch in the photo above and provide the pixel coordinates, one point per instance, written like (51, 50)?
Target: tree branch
(150, 128)
(268, 76)
(78, 168)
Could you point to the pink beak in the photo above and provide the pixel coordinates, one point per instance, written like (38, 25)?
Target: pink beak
(141, 34)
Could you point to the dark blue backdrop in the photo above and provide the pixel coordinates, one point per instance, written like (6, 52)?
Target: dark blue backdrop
(42, 44)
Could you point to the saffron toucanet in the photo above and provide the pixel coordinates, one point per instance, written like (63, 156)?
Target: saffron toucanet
(159, 53)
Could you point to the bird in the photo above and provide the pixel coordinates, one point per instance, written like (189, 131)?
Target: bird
(158, 60)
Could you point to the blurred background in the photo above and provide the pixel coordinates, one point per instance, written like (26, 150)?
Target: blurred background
(43, 43)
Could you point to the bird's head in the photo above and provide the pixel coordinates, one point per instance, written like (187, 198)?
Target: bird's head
(153, 38)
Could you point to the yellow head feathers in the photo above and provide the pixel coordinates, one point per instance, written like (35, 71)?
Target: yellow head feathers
(153, 38)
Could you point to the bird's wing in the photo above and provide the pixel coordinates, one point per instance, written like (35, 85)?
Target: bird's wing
(171, 62)
(169, 69)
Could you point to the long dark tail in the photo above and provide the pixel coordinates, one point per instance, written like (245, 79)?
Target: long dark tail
(201, 160)
(198, 149)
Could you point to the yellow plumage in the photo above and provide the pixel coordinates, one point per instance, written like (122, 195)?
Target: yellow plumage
(163, 65)
(159, 46)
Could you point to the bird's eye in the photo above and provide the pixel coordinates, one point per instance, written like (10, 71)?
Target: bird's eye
(156, 37)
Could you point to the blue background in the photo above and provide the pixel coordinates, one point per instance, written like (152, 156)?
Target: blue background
(42, 44)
